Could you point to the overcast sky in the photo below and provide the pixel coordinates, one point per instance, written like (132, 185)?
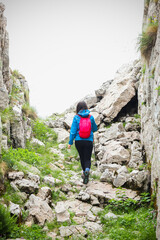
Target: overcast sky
(67, 48)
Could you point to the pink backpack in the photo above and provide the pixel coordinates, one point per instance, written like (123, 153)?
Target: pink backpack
(85, 127)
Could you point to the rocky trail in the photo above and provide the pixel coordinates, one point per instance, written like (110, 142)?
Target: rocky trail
(40, 179)
(80, 208)
(51, 190)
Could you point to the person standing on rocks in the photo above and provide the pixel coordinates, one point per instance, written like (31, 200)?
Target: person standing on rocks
(82, 129)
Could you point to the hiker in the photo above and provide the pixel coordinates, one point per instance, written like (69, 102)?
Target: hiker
(82, 129)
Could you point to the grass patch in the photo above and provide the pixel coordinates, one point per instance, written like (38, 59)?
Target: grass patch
(135, 220)
(34, 232)
(58, 196)
(43, 132)
(29, 111)
(147, 39)
(12, 156)
(7, 114)
(11, 195)
(139, 225)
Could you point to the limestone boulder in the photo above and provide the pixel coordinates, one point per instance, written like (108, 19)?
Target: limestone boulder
(107, 176)
(83, 196)
(115, 153)
(102, 90)
(15, 209)
(39, 210)
(93, 227)
(139, 180)
(68, 120)
(74, 230)
(62, 213)
(26, 185)
(104, 191)
(33, 177)
(57, 123)
(120, 92)
(63, 135)
(45, 194)
(136, 155)
(111, 167)
(97, 117)
(15, 175)
(120, 180)
(49, 180)
(36, 141)
(110, 133)
(110, 215)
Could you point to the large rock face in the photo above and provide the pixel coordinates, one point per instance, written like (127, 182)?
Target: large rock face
(149, 103)
(4, 61)
(13, 95)
(120, 92)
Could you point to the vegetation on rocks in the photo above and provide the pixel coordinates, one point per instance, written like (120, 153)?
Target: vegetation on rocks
(29, 111)
(146, 40)
(7, 223)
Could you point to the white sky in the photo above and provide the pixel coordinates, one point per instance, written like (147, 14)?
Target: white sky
(67, 48)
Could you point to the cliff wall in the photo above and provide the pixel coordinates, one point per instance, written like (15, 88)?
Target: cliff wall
(149, 97)
(14, 97)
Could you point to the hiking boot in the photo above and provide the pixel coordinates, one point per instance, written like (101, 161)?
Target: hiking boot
(86, 177)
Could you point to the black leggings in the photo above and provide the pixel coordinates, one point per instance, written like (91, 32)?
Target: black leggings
(84, 149)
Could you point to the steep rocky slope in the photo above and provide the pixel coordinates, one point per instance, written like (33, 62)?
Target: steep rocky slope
(14, 96)
(149, 97)
(41, 180)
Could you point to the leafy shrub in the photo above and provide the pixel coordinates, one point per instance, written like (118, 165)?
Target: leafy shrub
(43, 132)
(12, 156)
(7, 223)
(146, 40)
(29, 111)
